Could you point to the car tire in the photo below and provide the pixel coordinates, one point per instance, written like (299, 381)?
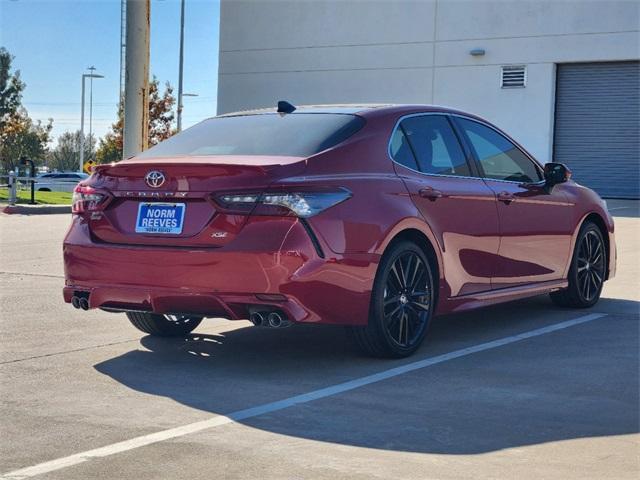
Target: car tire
(587, 271)
(402, 304)
(164, 325)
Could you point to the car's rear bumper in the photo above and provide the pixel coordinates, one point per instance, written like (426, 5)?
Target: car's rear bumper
(225, 281)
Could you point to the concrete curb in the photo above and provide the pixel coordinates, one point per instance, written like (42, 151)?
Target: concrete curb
(36, 209)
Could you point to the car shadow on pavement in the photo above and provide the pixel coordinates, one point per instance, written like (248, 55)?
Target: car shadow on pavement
(576, 383)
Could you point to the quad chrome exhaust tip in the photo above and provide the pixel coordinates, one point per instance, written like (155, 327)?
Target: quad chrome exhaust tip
(269, 319)
(275, 320)
(79, 302)
(257, 319)
(75, 301)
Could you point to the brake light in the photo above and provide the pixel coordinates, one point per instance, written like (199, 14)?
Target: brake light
(86, 199)
(300, 203)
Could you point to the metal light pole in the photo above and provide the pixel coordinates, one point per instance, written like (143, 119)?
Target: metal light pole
(181, 108)
(85, 76)
(136, 89)
(181, 64)
(91, 69)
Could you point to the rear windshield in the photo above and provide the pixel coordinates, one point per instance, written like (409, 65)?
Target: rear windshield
(294, 134)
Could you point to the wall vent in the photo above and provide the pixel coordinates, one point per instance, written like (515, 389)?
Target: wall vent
(514, 76)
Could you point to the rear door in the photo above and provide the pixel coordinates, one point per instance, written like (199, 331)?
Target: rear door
(535, 223)
(454, 201)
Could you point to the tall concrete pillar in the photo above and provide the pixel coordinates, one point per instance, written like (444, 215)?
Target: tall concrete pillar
(136, 89)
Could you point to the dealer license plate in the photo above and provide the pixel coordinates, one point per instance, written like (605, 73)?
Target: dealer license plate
(160, 218)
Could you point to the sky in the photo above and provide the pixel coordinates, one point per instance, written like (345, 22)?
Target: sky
(54, 41)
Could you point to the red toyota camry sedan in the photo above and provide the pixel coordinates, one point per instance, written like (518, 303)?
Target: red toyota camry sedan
(374, 217)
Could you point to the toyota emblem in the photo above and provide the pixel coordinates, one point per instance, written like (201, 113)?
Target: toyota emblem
(154, 178)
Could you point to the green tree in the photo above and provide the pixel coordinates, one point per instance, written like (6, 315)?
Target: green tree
(111, 146)
(161, 123)
(11, 88)
(19, 135)
(161, 115)
(65, 156)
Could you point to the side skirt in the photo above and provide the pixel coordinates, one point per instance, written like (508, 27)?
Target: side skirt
(484, 299)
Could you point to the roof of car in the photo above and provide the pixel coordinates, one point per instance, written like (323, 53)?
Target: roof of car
(361, 109)
(335, 108)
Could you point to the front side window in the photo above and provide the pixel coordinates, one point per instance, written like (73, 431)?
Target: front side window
(500, 159)
(435, 145)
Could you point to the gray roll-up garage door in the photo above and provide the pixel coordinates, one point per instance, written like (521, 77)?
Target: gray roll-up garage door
(597, 125)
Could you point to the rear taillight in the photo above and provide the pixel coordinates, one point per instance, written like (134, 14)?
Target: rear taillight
(86, 199)
(299, 203)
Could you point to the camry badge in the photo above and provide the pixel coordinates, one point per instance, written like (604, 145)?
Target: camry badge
(154, 178)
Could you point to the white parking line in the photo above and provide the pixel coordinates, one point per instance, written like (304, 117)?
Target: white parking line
(217, 421)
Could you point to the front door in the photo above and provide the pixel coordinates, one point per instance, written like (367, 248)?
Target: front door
(535, 223)
(457, 205)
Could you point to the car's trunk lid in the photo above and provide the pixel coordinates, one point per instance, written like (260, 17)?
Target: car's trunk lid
(183, 184)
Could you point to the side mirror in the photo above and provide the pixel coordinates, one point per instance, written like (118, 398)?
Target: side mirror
(555, 173)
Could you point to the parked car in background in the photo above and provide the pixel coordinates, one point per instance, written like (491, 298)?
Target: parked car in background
(59, 181)
(375, 218)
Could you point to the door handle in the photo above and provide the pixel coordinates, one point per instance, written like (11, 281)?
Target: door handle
(506, 197)
(430, 193)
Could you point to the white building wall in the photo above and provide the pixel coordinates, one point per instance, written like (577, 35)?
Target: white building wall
(418, 52)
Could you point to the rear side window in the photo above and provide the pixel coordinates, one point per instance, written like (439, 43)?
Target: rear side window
(435, 145)
(295, 134)
(401, 151)
(500, 159)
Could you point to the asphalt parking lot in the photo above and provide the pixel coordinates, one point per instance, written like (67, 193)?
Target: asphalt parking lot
(524, 390)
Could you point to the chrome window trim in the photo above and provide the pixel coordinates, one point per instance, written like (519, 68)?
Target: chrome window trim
(533, 184)
(481, 122)
(423, 114)
(526, 154)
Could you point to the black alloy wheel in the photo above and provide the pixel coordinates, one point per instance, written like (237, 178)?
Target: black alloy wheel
(407, 299)
(402, 304)
(590, 267)
(587, 272)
